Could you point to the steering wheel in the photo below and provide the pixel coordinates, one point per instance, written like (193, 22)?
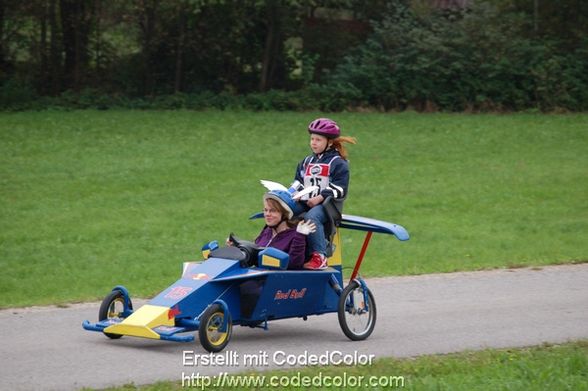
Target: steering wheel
(249, 249)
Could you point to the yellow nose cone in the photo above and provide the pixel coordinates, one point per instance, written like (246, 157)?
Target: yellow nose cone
(142, 321)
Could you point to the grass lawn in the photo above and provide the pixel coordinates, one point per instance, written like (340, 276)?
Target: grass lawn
(561, 367)
(92, 199)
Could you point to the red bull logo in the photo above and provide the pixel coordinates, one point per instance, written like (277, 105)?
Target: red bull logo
(290, 294)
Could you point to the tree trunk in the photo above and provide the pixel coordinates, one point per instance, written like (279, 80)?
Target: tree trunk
(272, 45)
(3, 64)
(44, 61)
(147, 24)
(536, 16)
(180, 51)
(54, 53)
(97, 53)
(68, 21)
(75, 28)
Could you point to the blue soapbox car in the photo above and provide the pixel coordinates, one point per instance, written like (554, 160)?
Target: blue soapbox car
(249, 286)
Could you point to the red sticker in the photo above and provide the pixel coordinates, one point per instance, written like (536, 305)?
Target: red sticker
(178, 292)
(173, 312)
(317, 170)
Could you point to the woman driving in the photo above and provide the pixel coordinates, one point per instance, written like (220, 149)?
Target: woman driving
(281, 231)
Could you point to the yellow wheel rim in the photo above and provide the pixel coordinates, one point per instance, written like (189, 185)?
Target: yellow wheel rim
(213, 333)
(116, 308)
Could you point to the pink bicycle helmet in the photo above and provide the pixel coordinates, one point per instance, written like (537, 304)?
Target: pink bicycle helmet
(325, 127)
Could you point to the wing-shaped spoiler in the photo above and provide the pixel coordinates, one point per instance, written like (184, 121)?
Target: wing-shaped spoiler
(372, 225)
(359, 223)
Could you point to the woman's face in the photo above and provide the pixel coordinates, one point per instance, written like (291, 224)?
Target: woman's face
(272, 215)
(318, 143)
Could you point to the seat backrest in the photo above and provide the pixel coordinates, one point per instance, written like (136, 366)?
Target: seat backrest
(334, 210)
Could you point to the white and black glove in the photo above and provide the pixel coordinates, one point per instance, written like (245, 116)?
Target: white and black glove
(306, 227)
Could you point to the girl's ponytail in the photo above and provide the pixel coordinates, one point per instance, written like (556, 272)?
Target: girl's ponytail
(338, 145)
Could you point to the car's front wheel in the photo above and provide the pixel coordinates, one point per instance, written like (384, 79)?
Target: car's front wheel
(211, 334)
(113, 307)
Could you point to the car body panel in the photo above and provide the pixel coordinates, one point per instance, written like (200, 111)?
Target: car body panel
(251, 295)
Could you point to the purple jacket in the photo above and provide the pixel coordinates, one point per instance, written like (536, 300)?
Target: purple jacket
(289, 241)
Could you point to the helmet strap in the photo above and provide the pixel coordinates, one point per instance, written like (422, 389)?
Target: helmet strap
(274, 227)
(329, 145)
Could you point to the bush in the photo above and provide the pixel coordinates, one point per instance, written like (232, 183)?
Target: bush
(479, 59)
(280, 101)
(16, 94)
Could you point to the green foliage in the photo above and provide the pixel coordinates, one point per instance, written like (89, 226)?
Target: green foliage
(326, 98)
(16, 94)
(495, 55)
(479, 59)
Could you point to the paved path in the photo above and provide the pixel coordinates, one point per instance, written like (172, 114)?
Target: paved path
(47, 349)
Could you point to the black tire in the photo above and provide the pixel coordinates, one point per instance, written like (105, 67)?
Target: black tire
(211, 339)
(112, 307)
(350, 310)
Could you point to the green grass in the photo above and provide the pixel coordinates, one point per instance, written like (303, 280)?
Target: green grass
(91, 199)
(561, 367)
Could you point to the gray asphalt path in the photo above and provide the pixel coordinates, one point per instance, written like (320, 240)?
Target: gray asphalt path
(47, 349)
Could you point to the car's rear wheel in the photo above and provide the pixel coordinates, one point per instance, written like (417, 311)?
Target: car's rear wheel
(210, 332)
(113, 307)
(357, 311)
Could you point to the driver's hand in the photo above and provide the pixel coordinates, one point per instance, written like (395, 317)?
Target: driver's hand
(306, 227)
(229, 242)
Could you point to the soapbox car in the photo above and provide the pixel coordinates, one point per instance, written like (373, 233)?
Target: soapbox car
(248, 286)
